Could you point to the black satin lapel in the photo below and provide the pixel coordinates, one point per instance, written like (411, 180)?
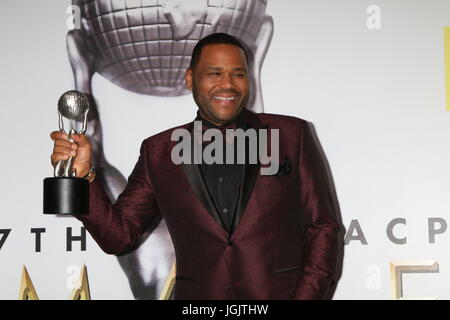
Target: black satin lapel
(247, 183)
(248, 179)
(194, 176)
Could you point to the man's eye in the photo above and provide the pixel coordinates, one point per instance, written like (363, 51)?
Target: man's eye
(214, 73)
(239, 75)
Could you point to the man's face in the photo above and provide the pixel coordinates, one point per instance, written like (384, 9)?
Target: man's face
(219, 82)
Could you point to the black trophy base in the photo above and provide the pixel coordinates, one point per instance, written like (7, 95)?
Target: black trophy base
(66, 196)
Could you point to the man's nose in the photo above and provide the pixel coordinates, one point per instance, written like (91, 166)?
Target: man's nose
(227, 81)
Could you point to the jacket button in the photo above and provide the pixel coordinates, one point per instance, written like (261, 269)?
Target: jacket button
(229, 243)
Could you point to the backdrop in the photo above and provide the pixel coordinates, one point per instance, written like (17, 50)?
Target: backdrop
(370, 75)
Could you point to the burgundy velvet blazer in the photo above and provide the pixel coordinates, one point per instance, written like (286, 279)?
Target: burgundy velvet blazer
(284, 244)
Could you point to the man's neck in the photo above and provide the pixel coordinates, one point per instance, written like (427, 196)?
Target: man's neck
(239, 120)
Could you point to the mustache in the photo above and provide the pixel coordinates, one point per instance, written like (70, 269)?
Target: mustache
(235, 92)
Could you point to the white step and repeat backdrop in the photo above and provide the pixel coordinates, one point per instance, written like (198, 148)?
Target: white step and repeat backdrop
(370, 75)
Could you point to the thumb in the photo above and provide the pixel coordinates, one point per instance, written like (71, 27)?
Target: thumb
(81, 139)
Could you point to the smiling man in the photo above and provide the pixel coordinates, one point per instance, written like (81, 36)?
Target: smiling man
(237, 234)
(218, 78)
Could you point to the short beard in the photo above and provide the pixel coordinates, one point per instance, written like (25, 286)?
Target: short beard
(203, 109)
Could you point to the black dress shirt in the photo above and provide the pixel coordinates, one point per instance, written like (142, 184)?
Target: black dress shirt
(223, 180)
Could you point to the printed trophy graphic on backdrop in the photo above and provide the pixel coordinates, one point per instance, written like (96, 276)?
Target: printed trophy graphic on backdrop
(64, 193)
(145, 47)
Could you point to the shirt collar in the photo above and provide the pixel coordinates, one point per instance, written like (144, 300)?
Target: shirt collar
(238, 122)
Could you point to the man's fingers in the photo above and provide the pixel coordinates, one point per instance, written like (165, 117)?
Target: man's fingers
(55, 157)
(55, 135)
(65, 143)
(81, 139)
(65, 150)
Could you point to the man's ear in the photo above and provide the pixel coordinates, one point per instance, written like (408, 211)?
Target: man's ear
(188, 79)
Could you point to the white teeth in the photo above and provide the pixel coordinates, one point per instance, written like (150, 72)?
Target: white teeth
(226, 99)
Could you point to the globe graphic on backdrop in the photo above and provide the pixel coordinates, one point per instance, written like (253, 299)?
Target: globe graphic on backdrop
(145, 46)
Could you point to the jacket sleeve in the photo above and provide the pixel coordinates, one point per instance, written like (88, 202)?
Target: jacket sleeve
(318, 213)
(118, 228)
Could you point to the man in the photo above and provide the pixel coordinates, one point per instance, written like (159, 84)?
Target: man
(237, 234)
(148, 60)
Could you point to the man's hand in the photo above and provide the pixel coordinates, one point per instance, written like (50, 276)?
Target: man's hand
(80, 149)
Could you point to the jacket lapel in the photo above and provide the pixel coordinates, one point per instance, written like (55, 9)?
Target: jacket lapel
(250, 173)
(248, 180)
(194, 176)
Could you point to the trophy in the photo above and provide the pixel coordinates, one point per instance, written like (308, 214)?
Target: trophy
(64, 193)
